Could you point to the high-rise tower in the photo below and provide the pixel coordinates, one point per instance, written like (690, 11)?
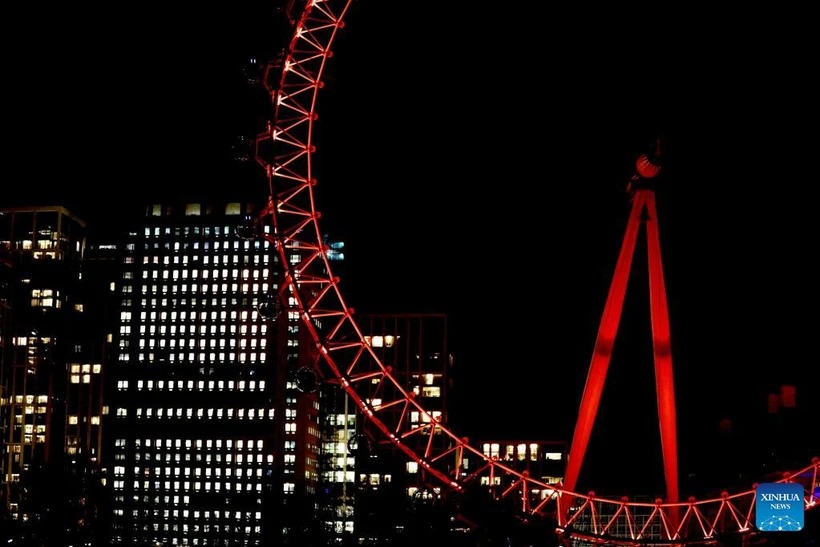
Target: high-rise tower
(212, 441)
(50, 373)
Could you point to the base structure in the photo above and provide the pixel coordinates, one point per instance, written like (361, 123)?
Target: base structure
(643, 213)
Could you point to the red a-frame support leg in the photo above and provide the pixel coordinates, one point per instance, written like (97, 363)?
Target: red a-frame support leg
(643, 201)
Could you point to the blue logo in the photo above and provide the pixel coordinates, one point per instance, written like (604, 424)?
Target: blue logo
(779, 507)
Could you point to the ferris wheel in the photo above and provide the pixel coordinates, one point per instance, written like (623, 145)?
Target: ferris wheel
(342, 354)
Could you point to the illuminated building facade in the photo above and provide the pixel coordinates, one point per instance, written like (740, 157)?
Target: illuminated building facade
(500, 503)
(51, 377)
(415, 346)
(543, 460)
(211, 441)
(6, 420)
(337, 462)
(391, 491)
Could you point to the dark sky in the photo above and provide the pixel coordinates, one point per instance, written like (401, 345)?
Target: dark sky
(475, 162)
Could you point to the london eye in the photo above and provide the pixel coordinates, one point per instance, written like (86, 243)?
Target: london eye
(341, 353)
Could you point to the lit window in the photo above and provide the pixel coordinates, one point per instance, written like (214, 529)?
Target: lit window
(431, 391)
(45, 298)
(491, 449)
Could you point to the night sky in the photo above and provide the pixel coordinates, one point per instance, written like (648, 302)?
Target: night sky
(475, 162)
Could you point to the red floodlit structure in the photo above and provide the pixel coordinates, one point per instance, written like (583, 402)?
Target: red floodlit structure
(342, 355)
(644, 213)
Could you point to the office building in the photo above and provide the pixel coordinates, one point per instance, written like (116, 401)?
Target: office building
(211, 440)
(393, 497)
(340, 419)
(50, 373)
(542, 460)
